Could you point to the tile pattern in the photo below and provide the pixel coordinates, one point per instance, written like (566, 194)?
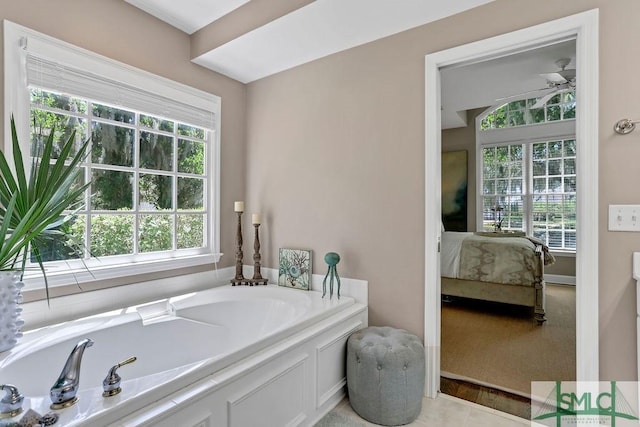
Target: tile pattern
(444, 411)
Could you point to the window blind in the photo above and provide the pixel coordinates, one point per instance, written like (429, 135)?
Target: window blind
(50, 75)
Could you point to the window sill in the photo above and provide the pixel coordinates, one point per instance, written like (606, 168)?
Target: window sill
(104, 276)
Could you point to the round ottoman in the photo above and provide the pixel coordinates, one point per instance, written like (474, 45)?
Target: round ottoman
(385, 375)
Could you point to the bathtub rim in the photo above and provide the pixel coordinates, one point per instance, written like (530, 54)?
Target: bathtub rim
(193, 372)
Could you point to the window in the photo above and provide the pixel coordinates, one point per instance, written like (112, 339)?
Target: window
(553, 199)
(148, 177)
(154, 162)
(503, 187)
(528, 173)
(561, 106)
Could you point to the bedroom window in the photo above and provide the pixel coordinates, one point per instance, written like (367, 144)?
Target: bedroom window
(561, 106)
(154, 162)
(528, 170)
(532, 187)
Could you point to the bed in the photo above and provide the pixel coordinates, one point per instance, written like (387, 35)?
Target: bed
(498, 267)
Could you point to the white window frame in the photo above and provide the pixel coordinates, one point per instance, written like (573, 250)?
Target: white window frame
(524, 134)
(17, 102)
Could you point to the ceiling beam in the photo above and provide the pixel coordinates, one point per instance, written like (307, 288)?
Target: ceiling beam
(242, 20)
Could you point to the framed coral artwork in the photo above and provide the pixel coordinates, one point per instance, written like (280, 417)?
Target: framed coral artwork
(295, 268)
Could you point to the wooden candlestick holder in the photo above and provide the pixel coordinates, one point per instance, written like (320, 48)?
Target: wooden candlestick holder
(257, 277)
(239, 279)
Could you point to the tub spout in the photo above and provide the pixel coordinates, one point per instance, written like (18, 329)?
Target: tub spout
(63, 392)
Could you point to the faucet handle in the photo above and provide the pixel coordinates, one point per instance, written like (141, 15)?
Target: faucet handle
(111, 384)
(11, 403)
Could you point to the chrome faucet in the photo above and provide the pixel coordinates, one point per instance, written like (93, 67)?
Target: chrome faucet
(11, 404)
(63, 392)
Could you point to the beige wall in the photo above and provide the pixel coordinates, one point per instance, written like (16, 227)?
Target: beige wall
(564, 266)
(335, 159)
(119, 31)
(335, 149)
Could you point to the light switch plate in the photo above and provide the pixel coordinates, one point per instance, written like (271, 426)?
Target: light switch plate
(624, 218)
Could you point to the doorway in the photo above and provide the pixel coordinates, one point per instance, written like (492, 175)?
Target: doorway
(584, 28)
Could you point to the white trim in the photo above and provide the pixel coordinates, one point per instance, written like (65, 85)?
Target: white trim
(95, 270)
(433, 225)
(560, 279)
(584, 27)
(526, 133)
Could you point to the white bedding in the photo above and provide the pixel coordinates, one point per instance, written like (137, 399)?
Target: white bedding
(450, 252)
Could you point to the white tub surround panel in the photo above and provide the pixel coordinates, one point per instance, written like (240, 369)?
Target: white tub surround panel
(236, 356)
(257, 390)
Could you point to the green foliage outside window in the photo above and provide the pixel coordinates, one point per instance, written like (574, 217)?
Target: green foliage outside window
(129, 163)
(542, 201)
(520, 112)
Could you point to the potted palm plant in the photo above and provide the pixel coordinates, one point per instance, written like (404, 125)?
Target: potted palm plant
(34, 209)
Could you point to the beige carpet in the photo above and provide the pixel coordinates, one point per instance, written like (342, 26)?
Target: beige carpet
(501, 345)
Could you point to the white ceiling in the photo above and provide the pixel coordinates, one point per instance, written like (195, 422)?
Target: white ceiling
(319, 29)
(484, 83)
(187, 15)
(324, 27)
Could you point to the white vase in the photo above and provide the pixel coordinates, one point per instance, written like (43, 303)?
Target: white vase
(10, 299)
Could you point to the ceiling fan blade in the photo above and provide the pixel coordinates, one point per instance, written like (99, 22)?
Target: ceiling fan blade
(553, 78)
(568, 74)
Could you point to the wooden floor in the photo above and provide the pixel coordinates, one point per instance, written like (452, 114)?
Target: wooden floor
(486, 396)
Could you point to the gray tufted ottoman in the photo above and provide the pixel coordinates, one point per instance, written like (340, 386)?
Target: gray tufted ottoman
(385, 375)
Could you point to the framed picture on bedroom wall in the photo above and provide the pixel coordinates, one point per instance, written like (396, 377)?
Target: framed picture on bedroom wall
(454, 190)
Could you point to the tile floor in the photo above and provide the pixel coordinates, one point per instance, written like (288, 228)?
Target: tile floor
(447, 411)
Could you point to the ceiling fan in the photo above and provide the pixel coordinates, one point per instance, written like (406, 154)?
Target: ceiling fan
(563, 80)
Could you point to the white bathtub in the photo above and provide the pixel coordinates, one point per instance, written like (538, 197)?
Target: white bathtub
(179, 343)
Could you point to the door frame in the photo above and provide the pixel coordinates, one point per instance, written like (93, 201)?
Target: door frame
(583, 27)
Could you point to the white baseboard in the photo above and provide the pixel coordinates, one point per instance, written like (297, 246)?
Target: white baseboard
(559, 279)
